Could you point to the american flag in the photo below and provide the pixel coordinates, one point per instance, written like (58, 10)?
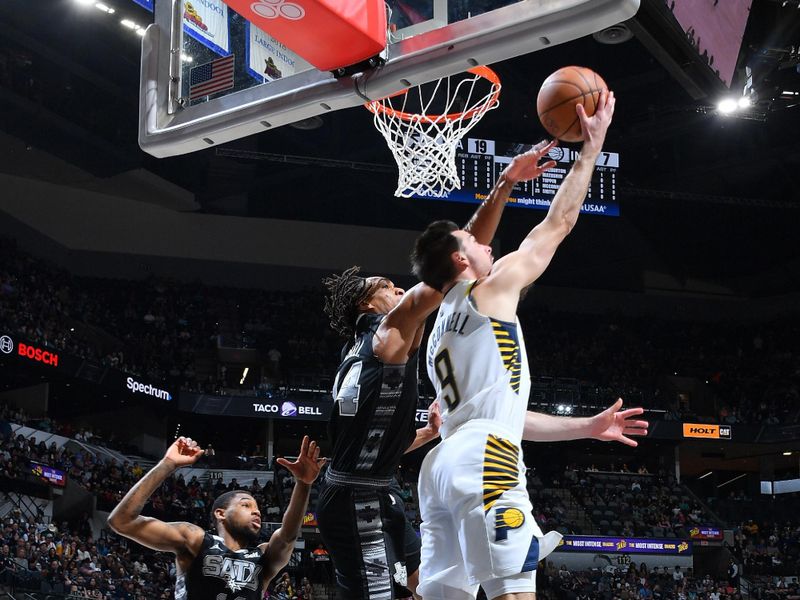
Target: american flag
(212, 77)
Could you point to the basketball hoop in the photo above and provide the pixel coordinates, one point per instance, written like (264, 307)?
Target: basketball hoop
(423, 144)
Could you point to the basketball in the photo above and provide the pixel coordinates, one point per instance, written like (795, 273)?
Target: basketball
(559, 95)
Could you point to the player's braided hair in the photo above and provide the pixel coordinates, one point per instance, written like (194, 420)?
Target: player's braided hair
(345, 293)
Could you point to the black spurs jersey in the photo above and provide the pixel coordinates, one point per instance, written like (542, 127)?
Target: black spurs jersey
(219, 573)
(374, 407)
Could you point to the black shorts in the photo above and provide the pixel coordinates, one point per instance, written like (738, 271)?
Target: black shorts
(372, 544)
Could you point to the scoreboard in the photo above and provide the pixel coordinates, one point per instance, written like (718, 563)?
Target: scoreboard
(479, 163)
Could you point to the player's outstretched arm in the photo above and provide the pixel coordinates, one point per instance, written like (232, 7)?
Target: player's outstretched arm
(519, 269)
(400, 333)
(611, 425)
(126, 519)
(281, 544)
(524, 167)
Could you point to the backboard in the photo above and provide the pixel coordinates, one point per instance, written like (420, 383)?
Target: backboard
(209, 76)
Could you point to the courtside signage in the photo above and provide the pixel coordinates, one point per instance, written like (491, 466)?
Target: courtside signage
(706, 431)
(620, 545)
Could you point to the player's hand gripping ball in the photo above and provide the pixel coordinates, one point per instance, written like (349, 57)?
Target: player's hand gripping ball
(559, 95)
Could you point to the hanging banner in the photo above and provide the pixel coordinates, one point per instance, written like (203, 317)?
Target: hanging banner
(207, 22)
(268, 59)
(148, 4)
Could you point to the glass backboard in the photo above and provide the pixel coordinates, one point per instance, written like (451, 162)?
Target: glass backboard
(210, 76)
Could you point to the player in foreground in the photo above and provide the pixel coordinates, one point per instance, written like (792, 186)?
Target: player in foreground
(227, 564)
(478, 527)
(360, 514)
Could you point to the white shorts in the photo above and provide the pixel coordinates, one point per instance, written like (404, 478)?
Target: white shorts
(478, 527)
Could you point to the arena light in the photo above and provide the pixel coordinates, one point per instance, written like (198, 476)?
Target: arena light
(128, 23)
(704, 476)
(744, 102)
(732, 480)
(84, 2)
(140, 32)
(104, 7)
(787, 453)
(727, 106)
(244, 375)
(186, 58)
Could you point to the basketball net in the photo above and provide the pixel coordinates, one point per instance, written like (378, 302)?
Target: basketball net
(424, 144)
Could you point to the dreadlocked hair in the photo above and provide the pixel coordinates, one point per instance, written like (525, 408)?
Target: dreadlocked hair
(345, 293)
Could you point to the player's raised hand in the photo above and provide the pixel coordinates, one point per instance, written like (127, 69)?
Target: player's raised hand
(525, 166)
(595, 127)
(615, 425)
(308, 464)
(183, 451)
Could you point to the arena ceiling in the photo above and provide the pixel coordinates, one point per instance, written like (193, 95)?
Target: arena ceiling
(703, 196)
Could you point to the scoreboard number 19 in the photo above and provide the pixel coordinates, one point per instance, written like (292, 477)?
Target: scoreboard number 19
(480, 146)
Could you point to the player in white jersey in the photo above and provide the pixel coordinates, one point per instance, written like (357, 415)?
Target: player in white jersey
(478, 527)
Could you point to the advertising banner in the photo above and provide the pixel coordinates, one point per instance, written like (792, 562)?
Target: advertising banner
(706, 431)
(113, 380)
(261, 408)
(49, 474)
(575, 543)
(705, 532)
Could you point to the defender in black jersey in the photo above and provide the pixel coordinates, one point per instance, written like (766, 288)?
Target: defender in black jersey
(228, 565)
(361, 517)
(360, 513)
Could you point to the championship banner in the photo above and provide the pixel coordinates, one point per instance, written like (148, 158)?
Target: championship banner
(705, 532)
(268, 59)
(706, 431)
(207, 22)
(617, 545)
(148, 4)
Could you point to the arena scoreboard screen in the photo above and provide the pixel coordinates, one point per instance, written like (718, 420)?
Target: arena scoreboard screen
(479, 163)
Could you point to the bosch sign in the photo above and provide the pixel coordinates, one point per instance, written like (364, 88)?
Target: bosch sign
(35, 353)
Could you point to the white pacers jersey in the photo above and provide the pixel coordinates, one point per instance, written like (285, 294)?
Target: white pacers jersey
(478, 365)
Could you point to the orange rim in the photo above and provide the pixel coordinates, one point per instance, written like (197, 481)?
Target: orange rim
(377, 106)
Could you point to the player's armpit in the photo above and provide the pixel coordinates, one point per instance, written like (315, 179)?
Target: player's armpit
(178, 537)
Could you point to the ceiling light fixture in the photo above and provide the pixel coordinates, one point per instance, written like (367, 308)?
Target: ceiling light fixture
(727, 106)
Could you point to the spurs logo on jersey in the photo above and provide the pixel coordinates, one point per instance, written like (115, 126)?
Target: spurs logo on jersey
(218, 571)
(477, 364)
(239, 574)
